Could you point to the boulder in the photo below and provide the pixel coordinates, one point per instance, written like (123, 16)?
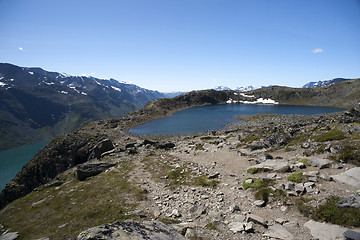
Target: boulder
(256, 219)
(149, 230)
(85, 170)
(273, 165)
(350, 201)
(277, 231)
(9, 236)
(319, 162)
(325, 231)
(262, 157)
(351, 235)
(236, 227)
(351, 177)
(102, 147)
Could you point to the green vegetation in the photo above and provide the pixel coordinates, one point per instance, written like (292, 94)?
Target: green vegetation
(75, 205)
(296, 177)
(200, 147)
(256, 170)
(333, 134)
(169, 220)
(350, 154)
(204, 182)
(329, 212)
(250, 139)
(305, 161)
(209, 138)
(263, 194)
(210, 226)
(257, 184)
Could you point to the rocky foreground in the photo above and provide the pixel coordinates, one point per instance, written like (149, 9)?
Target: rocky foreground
(271, 177)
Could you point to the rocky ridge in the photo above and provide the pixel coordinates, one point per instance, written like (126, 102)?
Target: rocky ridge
(260, 179)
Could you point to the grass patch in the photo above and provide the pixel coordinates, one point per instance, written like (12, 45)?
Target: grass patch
(210, 226)
(209, 138)
(204, 182)
(169, 220)
(199, 147)
(263, 194)
(257, 184)
(250, 139)
(350, 154)
(296, 177)
(333, 134)
(305, 161)
(256, 170)
(77, 205)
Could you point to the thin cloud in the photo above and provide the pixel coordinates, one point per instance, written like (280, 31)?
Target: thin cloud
(20, 48)
(317, 50)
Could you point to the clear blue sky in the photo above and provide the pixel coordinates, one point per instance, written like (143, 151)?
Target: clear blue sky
(171, 45)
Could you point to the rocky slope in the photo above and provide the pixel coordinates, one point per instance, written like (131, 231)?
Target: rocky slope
(36, 104)
(259, 179)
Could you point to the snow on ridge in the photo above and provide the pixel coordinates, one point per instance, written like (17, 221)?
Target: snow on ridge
(63, 92)
(258, 101)
(2, 84)
(50, 83)
(248, 96)
(84, 93)
(115, 88)
(31, 73)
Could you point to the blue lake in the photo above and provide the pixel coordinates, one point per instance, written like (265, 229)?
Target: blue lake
(201, 119)
(12, 161)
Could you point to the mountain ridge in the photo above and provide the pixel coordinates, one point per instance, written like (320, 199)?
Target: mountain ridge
(38, 105)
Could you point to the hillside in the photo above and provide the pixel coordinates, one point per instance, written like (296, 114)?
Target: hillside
(36, 104)
(341, 94)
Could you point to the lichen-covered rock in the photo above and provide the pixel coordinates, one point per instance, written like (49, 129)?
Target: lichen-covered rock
(149, 230)
(85, 170)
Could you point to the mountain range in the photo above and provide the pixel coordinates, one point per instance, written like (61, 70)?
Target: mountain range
(37, 105)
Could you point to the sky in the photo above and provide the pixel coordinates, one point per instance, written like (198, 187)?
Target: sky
(182, 45)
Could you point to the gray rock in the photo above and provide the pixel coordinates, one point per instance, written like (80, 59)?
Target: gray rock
(271, 175)
(236, 227)
(234, 208)
(273, 165)
(89, 169)
(309, 184)
(279, 186)
(325, 231)
(149, 230)
(350, 201)
(351, 177)
(190, 233)
(256, 219)
(351, 235)
(262, 157)
(305, 145)
(289, 186)
(299, 188)
(176, 213)
(259, 145)
(9, 236)
(319, 162)
(279, 232)
(300, 165)
(102, 147)
(248, 227)
(259, 203)
(280, 221)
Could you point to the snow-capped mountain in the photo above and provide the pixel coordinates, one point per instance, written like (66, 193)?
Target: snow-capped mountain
(323, 83)
(238, 89)
(36, 104)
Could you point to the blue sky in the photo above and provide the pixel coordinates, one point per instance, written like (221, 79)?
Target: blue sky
(171, 45)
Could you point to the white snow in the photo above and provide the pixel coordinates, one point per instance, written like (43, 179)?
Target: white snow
(63, 92)
(12, 79)
(31, 73)
(2, 84)
(50, 83)
(84, 93)
(74, 88)
(248, 96)
(258, 101)
(115, 88)
(1, 78)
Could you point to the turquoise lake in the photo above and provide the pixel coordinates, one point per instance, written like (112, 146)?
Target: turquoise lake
(12, 161)
(201, 119)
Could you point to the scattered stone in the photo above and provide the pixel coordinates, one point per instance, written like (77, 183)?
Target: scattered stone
(175, 213)
(319, 162)
(248, 227)
(351, 235)
(262, 157)
(250, 180)
(259, 203)
(313, 179)
(213, 176)
(350, 201)
(326, 177)
(9, 236)
(256, 219)
(234, 208)
(190, 233)
(325, 231)
(309, 184)
(305, 145)
(280, 221)
(43, 238)
(63, 225)
(283, 208)
(166, 146)
(89, 169)
(279, 232)
(351, 177)
(157, 214)
(311, 174)
(299, 188)
(131, 230)
(300, 165)
(279, 186)
(236, 227)
(271, 175)
(289, 186)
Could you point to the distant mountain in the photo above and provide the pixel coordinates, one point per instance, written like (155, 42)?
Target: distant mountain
(36, 104)
(323, 83)
(238, 89)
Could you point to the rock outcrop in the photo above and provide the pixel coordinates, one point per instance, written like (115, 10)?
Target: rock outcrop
(147, 230)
